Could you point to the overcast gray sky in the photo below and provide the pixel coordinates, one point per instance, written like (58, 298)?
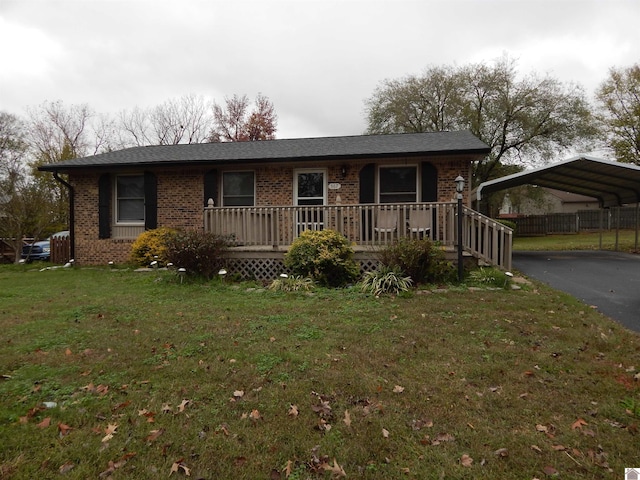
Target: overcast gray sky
(317, 61)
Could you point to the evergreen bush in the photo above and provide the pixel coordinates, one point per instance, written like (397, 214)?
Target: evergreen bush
(324, 255)
(151, 246)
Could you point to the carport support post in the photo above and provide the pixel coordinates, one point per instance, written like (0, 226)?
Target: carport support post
(459, 189)
(637, 218)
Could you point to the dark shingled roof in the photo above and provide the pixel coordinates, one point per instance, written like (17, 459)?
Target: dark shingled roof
(301, 149)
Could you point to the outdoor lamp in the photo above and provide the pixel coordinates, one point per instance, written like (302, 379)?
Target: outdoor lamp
(459, 184)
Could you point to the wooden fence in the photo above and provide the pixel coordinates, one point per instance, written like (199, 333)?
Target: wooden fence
(582, 221)
(60, 249)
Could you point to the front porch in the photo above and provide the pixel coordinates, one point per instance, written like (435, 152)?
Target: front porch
(263, 234)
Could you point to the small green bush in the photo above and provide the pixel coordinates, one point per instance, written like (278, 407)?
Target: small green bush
(420, 259)
(150, 246)
(385, 280)
(200, 253)
(324, 255)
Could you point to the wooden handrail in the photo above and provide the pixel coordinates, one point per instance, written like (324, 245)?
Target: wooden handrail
(364, 225)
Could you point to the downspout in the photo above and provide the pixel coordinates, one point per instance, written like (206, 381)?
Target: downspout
(72, 249)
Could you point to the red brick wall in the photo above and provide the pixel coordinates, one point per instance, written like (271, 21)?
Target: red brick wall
(181, 197)
(180, 204)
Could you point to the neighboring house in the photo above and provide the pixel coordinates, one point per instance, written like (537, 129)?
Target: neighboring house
(551, 201)
(265, 193)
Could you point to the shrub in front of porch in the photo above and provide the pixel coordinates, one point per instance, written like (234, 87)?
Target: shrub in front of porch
(324, 255)
(200, 253)
(151, 245)
(420, 259)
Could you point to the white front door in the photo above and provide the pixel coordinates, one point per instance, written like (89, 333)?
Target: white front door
(310, 190)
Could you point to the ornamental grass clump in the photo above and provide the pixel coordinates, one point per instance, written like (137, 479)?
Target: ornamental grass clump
(292, 283)
(324, 255)
(490, 277)
(385, 280)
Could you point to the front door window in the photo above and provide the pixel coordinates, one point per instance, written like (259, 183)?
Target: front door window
(310, 191)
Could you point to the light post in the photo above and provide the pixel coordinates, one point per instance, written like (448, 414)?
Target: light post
(459, 189)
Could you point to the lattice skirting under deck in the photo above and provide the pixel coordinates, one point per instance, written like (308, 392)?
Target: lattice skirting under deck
(266, 266)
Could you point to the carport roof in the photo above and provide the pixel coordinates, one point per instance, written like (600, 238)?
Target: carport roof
(612, 183)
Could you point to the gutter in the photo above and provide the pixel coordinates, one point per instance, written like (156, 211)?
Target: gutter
(72, 252)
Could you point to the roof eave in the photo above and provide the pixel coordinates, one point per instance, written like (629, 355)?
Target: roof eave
(327, 158)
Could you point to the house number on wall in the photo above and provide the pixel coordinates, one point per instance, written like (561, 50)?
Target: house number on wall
(334, 186)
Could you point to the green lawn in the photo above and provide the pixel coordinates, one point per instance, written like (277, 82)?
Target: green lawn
(149, 378)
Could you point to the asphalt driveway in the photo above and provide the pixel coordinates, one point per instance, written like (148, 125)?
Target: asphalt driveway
(607, 280)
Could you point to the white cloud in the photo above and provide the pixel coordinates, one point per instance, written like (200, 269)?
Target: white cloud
(316, 60)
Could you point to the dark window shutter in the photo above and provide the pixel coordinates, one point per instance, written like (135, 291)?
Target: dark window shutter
(211, 187)
(104, 206)
(150, 201)
(367, 195)
(429, 183)
(368, 183)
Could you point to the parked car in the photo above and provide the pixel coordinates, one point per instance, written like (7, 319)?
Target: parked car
(40, 250)
(36, 251)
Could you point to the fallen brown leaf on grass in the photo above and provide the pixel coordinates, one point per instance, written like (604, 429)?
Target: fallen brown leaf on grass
(347, 418)
(466, 460)
(578, 424)
(293, 411)
(44, 423)
(153, 436)
(109, 431)
(237, 395)
(255, 415)
(183, 405)
(102, 389)
(120, 406)
(501, 452)
(335, 469)
(66, 467)
(64, 429)
(113, 466)
(149, 415)
(177, 466)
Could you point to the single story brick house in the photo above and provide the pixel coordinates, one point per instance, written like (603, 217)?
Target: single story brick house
(265, 193)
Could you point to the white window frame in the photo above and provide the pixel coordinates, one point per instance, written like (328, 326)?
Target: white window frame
(222, 197)
(117, 198)
(381, 172)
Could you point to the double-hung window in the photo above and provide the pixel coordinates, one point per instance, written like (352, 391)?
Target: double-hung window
(130, 199)
(398, 184)
(238, 189)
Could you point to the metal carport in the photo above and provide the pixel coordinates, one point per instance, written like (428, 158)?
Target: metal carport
(612, 183)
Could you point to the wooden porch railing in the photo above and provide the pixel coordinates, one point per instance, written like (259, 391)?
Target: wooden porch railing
(487, 239)
(364, 225)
